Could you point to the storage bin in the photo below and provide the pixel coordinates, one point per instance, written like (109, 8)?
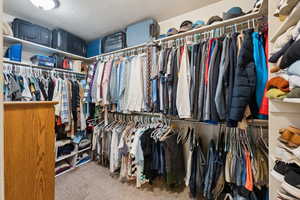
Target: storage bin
(142, 32)
(94, 48)
(31, 32)
(43, 60)
(14, 52)
(114, 42)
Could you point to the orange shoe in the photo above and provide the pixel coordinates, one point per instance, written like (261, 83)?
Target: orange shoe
(294, 141)
(285, 135)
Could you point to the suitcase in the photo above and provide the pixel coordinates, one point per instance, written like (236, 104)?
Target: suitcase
(68, 42)
(114, 42)
(94, 48)
(142, 32)
(31, 32)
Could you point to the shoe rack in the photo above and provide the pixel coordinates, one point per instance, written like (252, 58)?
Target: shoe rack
(281, 114)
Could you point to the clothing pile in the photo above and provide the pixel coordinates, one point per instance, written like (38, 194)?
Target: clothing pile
(140, 152)
(214, 80)
(121, 82)
(68, 92)
(287, 165)
(235, 167)
(285, 85)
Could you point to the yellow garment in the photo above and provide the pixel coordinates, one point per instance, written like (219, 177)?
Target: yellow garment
(276, 94)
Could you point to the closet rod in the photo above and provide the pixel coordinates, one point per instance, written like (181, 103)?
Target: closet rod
(42, 67)
(139, 114)
(244, 18)
(252, 123)
(120, 51)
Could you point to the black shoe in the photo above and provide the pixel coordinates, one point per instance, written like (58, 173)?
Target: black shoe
(281, 168)
(291, 183)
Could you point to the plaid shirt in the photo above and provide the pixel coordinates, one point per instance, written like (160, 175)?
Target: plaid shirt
(65, 108)
(90, 76)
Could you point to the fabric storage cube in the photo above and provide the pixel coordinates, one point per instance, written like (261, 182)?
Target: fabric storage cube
(14, 52)
(94, 48)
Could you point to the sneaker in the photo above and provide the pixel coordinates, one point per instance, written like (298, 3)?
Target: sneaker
(284, 154)
(291, 182)
(285, 195)
(281, 168)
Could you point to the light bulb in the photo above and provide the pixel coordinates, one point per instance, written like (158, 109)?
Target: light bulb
(45, 4)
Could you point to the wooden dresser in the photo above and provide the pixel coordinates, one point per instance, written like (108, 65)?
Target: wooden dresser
(29, 139)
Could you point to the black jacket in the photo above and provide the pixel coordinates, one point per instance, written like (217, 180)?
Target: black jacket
(245, 81)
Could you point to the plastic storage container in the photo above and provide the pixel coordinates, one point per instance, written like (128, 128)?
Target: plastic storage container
(31, 32)
(43, 60)
(94, 48)
(14, 52)
(68, 42)
(142, 32)
(114, 42)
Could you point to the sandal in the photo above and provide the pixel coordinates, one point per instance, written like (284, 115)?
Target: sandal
(285, 135)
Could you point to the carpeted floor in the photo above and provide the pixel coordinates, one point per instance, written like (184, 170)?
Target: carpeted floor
(93, 182)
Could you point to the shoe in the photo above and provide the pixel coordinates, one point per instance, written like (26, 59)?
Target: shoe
(281, 168)
(291, 182)
(287, 6)
(290, 136)
(285, 195)
(294, 141)
(285, 135)
(283, 153)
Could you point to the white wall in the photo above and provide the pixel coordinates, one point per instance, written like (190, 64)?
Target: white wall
(205, 13)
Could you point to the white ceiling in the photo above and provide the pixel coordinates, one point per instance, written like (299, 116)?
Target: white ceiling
(90, 19)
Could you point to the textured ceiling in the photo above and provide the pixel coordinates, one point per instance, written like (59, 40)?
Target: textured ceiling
(90, 19)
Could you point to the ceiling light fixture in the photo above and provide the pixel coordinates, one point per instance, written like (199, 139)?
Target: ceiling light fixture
(45, 4)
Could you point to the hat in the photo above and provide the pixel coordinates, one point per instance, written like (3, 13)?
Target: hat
(198, 24)
(162, 36)
(232, 13)
(172, 31)
(185, 26)
(214, 19)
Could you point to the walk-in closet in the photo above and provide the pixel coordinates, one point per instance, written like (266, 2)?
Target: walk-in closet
(144, 100)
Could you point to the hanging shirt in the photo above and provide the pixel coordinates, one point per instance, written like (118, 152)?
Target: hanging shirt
(183, 89)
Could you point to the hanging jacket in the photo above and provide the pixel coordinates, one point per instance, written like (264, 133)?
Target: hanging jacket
(197, 64)
(245, 81)
(261, 69)
(230, 73)
(220, 98)
(214, 116)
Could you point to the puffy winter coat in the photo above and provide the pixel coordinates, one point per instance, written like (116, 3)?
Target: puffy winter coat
(245, 81)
